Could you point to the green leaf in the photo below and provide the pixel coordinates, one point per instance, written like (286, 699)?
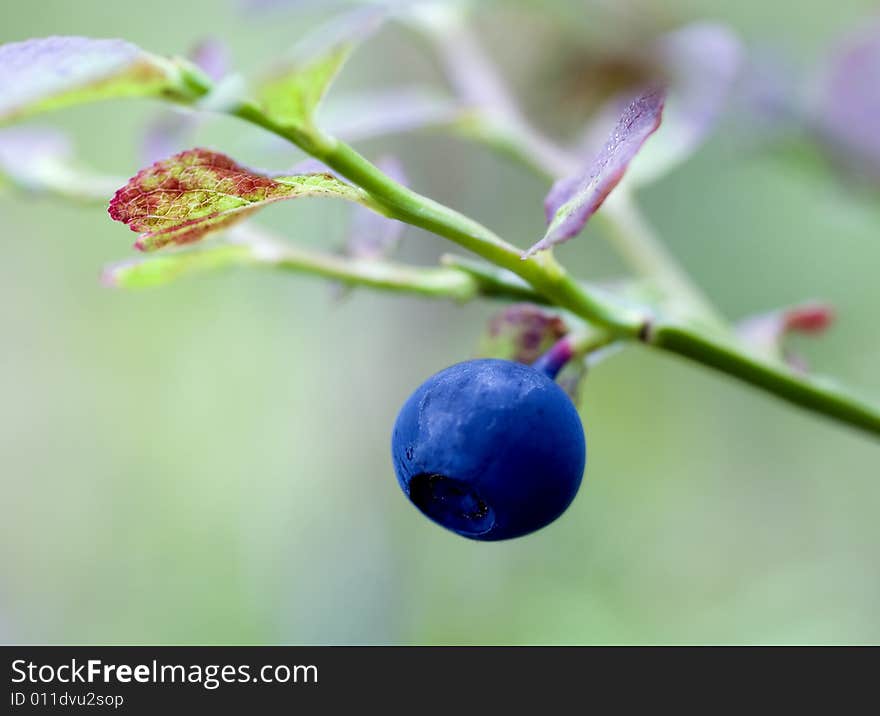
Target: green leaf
(183, 198)
(159, 270)
(45, 74)
(290, 93)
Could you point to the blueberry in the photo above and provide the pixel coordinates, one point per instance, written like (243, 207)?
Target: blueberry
(489, 449)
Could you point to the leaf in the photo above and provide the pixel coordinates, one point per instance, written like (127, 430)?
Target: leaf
(212, 57)
(28, 155)
(45, 74)
(291, 92)
(766, 333)
(378, 113)
(41, 159)
(165, 268)
(702, 63)
(521, 332)
(183, 198)
(848, 107)
(572, 201)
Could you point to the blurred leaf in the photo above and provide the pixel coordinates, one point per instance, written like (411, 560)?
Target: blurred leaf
(847, 113)
(378, 113)
(29, 156)
(701, 63)
(41, 159)
(572, 201)
(183, 198)
(522, 332)
(291, 92)
(44, 74)
(766, 333)
(159, 270)
(212, 57)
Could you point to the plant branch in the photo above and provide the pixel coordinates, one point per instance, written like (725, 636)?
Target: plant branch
(619, 318)
(817, 394)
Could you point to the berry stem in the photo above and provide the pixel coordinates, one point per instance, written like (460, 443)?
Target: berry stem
(551, 362)
(576, 344)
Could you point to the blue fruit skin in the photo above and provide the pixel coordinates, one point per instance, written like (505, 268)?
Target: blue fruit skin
(490, 449)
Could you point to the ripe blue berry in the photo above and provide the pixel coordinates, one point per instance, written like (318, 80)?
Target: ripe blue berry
(489, 449)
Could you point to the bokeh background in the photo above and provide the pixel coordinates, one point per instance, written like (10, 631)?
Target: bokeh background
(209, 462)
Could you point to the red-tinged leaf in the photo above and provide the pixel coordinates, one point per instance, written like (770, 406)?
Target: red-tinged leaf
(52, 72)
(574, 200)
(183, 198)
(766, 333)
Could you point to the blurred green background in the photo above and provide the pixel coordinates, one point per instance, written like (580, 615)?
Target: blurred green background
(209, 462)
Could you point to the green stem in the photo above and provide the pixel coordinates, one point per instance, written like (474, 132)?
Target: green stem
(542, 272)
(252, 246)
(825, 398)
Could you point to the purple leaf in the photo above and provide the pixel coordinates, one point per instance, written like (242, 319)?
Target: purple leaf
(26, 151)
(848, 111)
(52, 72)
(700, 65)
(212, 57)
(572, 201)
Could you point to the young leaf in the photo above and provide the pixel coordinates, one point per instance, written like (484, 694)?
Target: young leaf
(522, 332)
(572, 201)
(183, 198)
(291, 92)
(44, 74)
(766, 333)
